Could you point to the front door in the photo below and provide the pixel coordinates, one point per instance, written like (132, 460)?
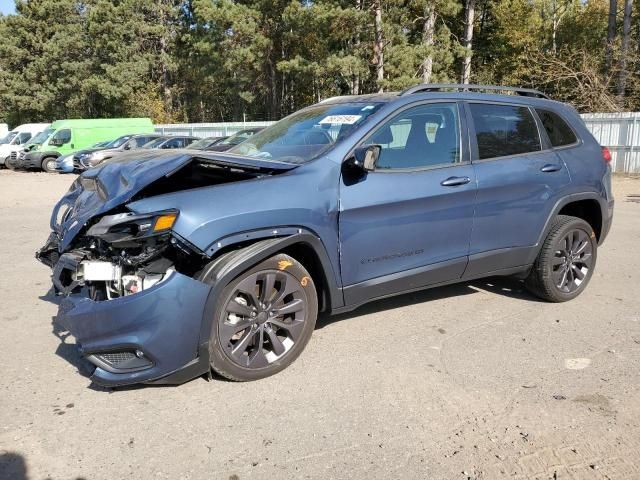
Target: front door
(408, 223)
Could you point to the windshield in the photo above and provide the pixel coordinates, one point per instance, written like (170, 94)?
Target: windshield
(117, 142)
(202, 143)
(306, 134)
(42, 136)
(237, 138)
(155, 143)
(8, 137)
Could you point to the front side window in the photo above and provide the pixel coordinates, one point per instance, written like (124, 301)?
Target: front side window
(306, 134)
(419, 137)
(503, 130)
(61, 137)
(557, 129)
(23, 138)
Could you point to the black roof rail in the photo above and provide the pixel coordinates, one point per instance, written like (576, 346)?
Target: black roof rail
(438, 87)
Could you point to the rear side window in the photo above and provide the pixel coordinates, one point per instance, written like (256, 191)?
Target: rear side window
(557, 129)
(503, 130)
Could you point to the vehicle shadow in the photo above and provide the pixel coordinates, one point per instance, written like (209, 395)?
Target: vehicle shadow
(505, 286)
(51, 296)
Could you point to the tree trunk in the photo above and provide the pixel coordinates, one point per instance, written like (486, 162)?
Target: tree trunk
(428, 37)
(378, 45)
(554, 27)
(611, 33)
(468, 40)
(624, 48)
(355, 81)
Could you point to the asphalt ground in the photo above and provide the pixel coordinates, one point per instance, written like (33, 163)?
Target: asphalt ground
(476, 380)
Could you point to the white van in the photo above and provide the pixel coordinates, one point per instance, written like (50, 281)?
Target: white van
(16, 139)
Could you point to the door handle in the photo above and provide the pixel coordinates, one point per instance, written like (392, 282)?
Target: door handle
(455, 181)
(550, 167)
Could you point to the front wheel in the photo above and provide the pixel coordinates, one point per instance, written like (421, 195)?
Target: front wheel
(49, 164)
(566, 260)
(263, 320)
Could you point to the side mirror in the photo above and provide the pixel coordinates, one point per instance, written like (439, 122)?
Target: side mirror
(366, 157)
(127, 146)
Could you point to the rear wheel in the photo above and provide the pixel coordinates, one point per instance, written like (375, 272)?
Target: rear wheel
(263, 320)
(49, 164)
(566, 260)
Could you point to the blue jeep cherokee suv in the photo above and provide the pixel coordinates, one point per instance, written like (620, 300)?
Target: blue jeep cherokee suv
(173, 263)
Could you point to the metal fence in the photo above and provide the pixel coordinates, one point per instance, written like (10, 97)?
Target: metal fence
(620, 133)
(207, 129)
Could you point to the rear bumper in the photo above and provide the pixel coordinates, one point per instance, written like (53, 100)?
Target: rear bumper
(607, 220)
(163, 323)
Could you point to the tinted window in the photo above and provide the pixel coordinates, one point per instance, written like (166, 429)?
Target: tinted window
(23, 138)
(557, 129)
(504, 130)
(423, 136)
(62, 136)
(139, 141)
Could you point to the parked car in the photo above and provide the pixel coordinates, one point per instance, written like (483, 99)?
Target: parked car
(170, 142)
(15, 140)
(91, 157)
(69, 136)
(233, 140)
(193, 261)
(205, 143)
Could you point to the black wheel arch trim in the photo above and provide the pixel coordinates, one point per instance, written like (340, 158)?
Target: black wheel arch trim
(249, 256)
(566, 200)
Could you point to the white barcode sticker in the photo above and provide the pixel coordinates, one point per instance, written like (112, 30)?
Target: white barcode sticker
(340, 119)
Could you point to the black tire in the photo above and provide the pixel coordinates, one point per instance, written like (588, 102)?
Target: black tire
(566, 260)
(249, 339)
(9, 163)
(49, 164)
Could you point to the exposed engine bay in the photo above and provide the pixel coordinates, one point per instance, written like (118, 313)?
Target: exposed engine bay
(120, 255)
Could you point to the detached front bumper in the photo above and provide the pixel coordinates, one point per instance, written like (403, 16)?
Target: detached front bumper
(160, 326)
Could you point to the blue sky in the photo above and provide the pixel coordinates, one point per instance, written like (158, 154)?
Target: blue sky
(7, 6)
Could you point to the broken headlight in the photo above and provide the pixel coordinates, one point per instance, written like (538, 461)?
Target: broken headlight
(125, 227)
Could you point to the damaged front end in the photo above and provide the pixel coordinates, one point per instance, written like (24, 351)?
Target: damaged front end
(130, 297)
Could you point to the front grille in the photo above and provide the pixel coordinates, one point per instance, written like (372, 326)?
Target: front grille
(116, 358)
(14, 155)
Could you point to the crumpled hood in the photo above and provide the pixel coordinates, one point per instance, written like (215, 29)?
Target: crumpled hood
(115, 182)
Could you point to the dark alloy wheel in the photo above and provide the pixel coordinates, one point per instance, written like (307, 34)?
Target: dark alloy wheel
(566, 260)
(572, 260)
(264, 319)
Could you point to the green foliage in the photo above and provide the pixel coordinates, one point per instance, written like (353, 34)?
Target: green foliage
(223, 60)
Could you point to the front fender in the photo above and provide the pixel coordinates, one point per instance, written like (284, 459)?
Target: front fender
(220, 272)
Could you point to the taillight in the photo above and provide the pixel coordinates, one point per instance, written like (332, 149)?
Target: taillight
(606, 155)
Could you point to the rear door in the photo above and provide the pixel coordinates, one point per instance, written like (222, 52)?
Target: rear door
(519, 181)
(408, 223)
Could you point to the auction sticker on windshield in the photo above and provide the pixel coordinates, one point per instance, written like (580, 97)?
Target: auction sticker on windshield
(341, 119)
